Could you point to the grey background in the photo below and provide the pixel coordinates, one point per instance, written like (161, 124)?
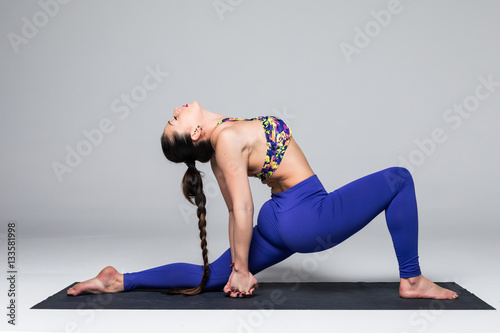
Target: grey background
(122, 205)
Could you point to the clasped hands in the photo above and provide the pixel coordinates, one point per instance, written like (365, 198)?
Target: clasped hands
(240, 284)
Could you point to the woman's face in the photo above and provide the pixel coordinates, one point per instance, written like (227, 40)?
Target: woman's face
(184, 120)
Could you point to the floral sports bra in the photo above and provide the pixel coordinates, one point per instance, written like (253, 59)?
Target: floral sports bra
(278, 135)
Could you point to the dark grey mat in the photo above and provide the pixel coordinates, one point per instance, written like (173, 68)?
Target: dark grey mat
(279, 296)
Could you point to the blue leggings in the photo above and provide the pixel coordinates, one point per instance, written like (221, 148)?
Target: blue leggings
(306, 218)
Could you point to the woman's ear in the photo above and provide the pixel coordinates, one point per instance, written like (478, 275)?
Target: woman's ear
(196, 133)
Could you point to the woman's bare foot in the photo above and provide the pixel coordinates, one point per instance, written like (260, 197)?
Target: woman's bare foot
(109, 280)
(420, 287)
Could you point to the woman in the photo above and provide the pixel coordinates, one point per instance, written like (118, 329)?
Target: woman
(300, 217)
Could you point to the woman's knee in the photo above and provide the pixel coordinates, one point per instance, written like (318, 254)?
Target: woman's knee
(398, 177)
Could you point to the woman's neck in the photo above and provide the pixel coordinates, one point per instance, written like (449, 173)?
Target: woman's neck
(209, 123)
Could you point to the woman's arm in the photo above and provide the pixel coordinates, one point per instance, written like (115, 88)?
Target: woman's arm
(232, 161)
(225, 194)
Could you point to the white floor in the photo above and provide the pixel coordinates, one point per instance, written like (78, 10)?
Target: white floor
(49, 263)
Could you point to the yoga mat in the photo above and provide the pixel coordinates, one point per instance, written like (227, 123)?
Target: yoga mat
(277, 296)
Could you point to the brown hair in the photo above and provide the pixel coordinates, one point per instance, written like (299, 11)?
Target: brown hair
(182, 149)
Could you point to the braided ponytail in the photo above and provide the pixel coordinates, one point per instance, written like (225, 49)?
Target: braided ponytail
(182, 149)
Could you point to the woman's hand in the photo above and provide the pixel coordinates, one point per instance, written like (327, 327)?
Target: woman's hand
(240, 284)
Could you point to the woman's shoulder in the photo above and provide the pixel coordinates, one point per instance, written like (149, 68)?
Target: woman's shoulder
(228, 137)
